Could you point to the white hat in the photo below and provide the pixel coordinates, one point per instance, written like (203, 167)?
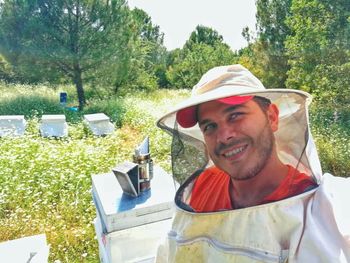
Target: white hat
(234, 80)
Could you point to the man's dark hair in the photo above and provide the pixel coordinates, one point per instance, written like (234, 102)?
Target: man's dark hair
(263, 103)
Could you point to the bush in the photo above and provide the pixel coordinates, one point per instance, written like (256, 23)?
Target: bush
(331, 130)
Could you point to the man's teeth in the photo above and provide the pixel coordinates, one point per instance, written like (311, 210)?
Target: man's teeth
(235, 151)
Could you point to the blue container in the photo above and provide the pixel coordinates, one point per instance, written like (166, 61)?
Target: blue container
(63, 98)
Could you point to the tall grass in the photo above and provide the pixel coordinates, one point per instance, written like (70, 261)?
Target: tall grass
(46, 183)
(331, 130)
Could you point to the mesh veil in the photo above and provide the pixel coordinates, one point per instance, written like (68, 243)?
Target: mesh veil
(294, 141)
(188, 155)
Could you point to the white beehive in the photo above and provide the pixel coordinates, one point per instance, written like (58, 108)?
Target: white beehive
(128, 228)
(99, 123)
(26, 249)
(136, 244)
(12, 125)
(53, 126)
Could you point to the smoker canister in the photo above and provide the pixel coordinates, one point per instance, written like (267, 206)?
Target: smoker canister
(145, 164)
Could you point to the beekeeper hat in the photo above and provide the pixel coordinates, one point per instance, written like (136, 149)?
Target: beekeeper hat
(292, 137)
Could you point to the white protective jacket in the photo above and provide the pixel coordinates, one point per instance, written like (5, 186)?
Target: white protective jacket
(310, 227)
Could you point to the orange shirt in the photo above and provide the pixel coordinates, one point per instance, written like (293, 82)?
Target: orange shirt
(211, 190)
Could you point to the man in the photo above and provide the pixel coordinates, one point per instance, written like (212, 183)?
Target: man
(238, 132)
(255, 190)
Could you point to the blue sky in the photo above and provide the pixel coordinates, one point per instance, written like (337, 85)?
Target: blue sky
(178, 18)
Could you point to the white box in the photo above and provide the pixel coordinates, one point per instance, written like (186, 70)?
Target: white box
(53, 126)
(27, 249)
(120, 211)
(99, 123)
(129, 229)
(12, 125)
(136, 244)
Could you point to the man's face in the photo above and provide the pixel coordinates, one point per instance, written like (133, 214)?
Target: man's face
(239, 138)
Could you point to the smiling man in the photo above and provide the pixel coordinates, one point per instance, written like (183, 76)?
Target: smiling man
(253, 188)
(238, 132)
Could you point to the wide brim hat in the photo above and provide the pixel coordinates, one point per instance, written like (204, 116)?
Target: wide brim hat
(235, 80)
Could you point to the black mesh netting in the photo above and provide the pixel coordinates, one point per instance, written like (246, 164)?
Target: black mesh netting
(188, 155)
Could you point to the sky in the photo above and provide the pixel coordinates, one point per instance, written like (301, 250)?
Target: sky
(177, 19)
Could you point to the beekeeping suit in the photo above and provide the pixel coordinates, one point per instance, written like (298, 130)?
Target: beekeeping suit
(311, 227)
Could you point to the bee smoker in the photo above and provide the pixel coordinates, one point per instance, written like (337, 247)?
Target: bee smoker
(142, 158)
(135, 177)
(145, 168)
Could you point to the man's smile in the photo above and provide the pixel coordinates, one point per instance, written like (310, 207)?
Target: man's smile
(235, 151)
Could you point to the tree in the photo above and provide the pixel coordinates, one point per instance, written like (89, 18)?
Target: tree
(268, 53)
(253, 57)
(319, 49)
(73, 37)
(203, 50)
(6, 73)
(204, 35)
(148, 54)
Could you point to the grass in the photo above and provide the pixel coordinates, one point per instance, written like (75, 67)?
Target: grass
(46, 183)
(332, 136)
(46, 188)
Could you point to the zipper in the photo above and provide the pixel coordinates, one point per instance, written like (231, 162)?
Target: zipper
(248, 252)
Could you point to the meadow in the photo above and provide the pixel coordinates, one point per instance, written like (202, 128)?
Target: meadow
(46, 182)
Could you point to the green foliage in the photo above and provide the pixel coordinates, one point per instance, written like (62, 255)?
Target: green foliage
(149, 53)
(319, 49)
(303, 45)
(331, 130)
(267, 54)
(141, 59)
(146, 30)
(45, 182)
(190, 65)
(250, 58)
(71, 38)
(46, 188)
(204, 35)
(28, 100)
(202, 51)
(271, 23)
(6, 72)
(23, 105)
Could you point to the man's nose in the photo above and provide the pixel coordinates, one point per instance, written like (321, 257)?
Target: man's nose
(226, 133)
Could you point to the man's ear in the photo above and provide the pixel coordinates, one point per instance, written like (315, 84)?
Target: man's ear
(272, 115)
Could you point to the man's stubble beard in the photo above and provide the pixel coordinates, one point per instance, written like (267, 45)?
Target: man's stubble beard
(266, 140)
(264, 144)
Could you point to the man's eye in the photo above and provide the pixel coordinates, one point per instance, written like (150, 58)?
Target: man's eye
(209, 127)
(234, 115)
